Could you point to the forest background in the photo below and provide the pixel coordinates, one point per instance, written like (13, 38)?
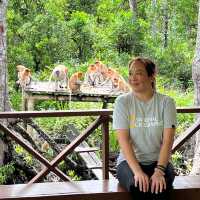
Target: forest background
(43, 33)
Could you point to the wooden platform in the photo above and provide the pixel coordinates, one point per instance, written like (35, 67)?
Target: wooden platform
(185, 188)
(44, 90)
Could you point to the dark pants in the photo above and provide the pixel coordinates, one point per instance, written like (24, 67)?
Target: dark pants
(126, 180)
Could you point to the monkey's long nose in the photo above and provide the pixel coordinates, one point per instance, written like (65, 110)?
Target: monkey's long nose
(57, 73)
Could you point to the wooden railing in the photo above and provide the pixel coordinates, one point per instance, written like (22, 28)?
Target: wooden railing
(103, 119)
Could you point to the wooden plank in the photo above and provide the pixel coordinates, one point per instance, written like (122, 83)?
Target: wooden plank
(73, 97)
(89, 158)
(46, 87)
(68, 113)
(71, 113)
(185, 187)
(82, 190)
(194, 109)
(186, 135)
(46, 90)
(84, 149)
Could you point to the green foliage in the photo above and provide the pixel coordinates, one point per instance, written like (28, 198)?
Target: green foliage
(80, 25)
(72, 174)
(45, 33)
(28, 158)
(181, 167)
(6, 172)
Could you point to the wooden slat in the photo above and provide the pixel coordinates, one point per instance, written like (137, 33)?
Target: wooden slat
(84, 149)
(90, 158)
(188, 109)
(186, 135)
(69, 113)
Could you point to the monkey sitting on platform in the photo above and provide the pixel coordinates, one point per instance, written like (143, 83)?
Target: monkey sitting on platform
(60, 75)
(93, 77)
(24, 76)
(75, 82)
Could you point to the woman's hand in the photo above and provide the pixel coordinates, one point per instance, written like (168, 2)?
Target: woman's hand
(141, 180)
(158, 183)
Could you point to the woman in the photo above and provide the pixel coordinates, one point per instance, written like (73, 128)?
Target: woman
(145, 123)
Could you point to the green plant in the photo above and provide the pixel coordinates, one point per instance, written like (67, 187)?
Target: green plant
(6, 172)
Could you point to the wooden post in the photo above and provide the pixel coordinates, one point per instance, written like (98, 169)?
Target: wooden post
(105, 147)
(30, 104)
(30, 107)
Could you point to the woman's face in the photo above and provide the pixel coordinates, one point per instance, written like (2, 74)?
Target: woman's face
(139, 79)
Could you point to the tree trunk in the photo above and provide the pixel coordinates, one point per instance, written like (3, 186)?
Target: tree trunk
(4, 103)
(196, 79)
(165, 22)
(154, 18)
(133, 6)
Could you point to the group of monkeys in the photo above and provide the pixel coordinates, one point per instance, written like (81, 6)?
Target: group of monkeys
(97, 75)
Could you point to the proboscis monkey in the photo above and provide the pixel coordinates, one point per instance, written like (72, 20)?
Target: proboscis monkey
(45, 146)
(93, 77)
(60, 75)
(75, 81)
(109, 76)
(24, 76)
(111, 73)
(120, 84)
(103, 69)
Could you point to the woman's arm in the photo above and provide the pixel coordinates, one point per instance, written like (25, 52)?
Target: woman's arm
(157, 180)
(165, 151)
(126, 146)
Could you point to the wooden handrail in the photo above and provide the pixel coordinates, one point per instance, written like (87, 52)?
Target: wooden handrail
(180, 140)
(68, 113)
(104, 116)
(72, 113)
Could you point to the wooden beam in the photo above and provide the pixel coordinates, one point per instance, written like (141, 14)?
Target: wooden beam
(71, 113)
(68, 113)
(186, 135)
(185, 187)
(105, 147)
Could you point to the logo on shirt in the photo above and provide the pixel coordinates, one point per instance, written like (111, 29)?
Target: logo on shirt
(132, 121)
(144, 122)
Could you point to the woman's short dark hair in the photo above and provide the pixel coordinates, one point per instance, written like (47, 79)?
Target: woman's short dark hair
(149, 65)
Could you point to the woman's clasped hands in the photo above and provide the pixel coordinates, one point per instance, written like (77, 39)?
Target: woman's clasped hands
(156, 183)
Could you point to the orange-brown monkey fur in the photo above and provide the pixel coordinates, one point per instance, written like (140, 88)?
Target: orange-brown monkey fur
(112, 73)
(45, 146)
(75, 81)
(120, 84)
(24, 76)
(103, 69)
(93, 77)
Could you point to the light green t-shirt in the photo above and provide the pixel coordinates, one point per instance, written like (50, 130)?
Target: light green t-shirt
(145, 122)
